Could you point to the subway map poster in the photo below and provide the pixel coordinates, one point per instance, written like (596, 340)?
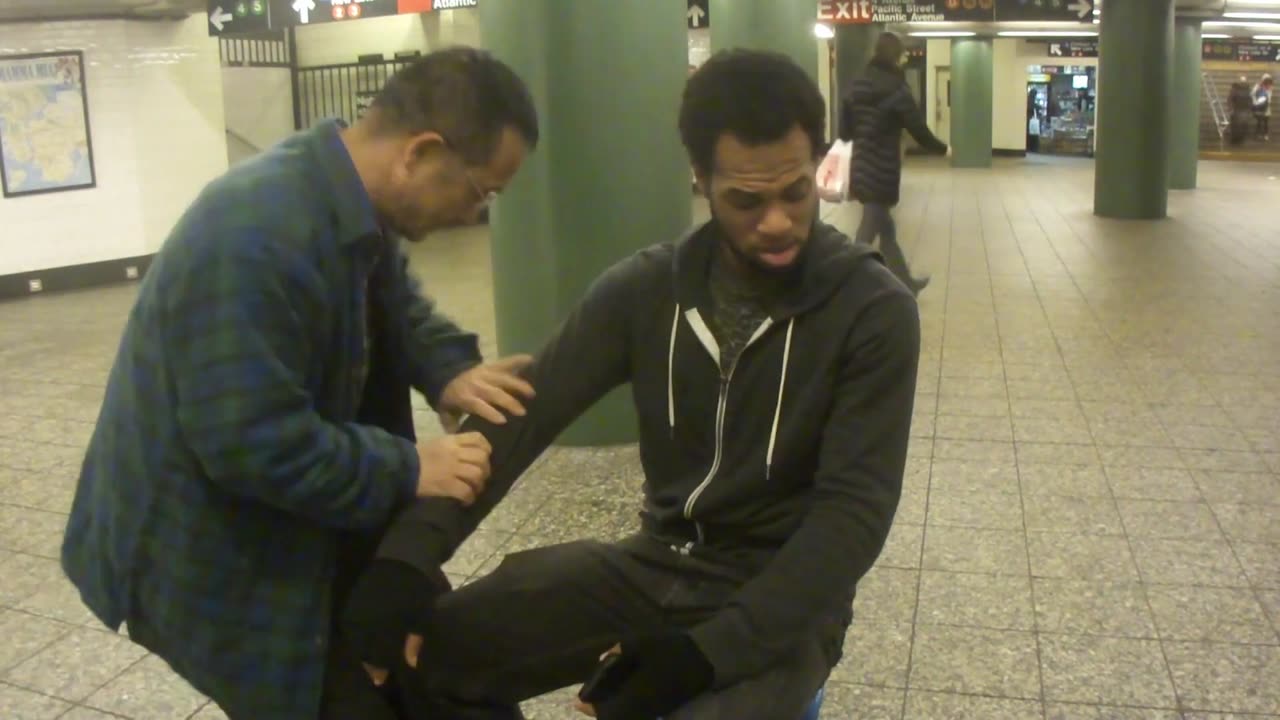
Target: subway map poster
(44, 124)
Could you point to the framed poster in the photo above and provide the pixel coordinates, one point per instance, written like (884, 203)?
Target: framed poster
(44, 124)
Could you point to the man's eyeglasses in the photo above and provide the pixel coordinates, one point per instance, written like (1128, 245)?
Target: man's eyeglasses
(485, 198)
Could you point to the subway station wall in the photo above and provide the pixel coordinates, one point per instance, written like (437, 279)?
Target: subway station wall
(344, 42)
(156, 127)
(1011, 58)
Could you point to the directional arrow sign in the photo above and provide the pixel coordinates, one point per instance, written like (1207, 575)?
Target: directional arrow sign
(699, 14)
(1082, 8)
(304, 9)
(218, 18)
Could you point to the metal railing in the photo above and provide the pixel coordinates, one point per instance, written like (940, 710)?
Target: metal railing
(264, 50)
(343, 91)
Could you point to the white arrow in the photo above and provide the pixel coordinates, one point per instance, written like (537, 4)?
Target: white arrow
(220, 16)
(696, 13)
(304, 8)
(1082, 7)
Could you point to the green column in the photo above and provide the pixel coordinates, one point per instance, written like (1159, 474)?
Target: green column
(1134, 74)
(1184, 107)
(609, 175)
(854, 44)
(971, 94)
(784, 26)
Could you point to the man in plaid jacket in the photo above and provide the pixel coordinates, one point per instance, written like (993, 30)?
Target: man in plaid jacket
(256, 434)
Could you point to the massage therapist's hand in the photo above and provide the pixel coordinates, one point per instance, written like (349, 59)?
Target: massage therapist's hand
(491, 391)
(455, 466)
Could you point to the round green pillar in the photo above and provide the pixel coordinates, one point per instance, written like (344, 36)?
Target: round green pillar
(1184, 106)
(784, 26)
(609, 175)
(971, 95)
(854, 45)
(1134, 74)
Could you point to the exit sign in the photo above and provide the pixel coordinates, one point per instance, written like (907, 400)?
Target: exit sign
(845, 12)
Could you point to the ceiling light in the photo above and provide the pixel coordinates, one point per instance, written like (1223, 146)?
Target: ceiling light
(1048, 33)
(1217, 23)
(1214, 36)
(1252, 15)
(943, 33)
(1265, 37)
(823, 31)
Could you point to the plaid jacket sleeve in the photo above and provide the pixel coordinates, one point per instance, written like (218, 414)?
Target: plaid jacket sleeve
(238, 322)
(439, 350)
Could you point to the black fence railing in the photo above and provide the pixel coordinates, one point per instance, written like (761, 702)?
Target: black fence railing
(263, 50)
(343, 91)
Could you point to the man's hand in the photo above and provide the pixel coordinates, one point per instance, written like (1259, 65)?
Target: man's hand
(654, 676)
(455, 466)
(486, 391)
(390, 601)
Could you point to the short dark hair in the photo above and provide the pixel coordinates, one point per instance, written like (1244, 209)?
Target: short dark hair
(465, 94)
(757, 96)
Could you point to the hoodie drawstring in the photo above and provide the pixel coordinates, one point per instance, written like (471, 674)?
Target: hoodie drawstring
(671, 363)
(777, 411)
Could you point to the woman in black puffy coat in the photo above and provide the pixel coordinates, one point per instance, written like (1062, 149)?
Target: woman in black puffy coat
(874, 111)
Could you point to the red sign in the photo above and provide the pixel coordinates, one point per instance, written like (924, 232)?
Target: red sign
(423, 6)
(845, 12)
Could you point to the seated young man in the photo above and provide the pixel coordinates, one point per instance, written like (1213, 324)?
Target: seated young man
(773, 363)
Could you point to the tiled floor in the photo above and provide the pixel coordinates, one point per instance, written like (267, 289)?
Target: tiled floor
(1090, 522)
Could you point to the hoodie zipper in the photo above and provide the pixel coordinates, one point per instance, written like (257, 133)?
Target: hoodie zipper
(721, 411)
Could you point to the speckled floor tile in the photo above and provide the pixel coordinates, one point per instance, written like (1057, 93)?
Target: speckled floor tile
(59, 670)
(1249, 523)
(903, 546)
(1068, 711)
(20, 704)
(1084, 557)
(1111, 671)
(1000, 602)
(1090, 607)
(875, 654)
(975, 661)
(922, 705)
(975, 509)
(1189, 562)
(1079, 515)
(1220, 677)
(971, 550)
(1261, 563)
(149, 690)
(1231, 615)
(25, 635)
(964, 476)
(1172, 484)
(846, 700)
(887, 595)
(1063, 480)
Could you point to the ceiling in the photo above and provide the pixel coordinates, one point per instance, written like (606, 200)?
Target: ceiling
(23, 10)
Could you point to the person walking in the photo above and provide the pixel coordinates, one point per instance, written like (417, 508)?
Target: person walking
(874, 111)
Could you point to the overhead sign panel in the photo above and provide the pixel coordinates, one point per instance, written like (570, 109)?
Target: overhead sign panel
(699, 14)
(1044, 10)
(237, 16)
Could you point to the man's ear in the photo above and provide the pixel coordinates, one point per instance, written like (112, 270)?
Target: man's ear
(422, 146)
(703, 183)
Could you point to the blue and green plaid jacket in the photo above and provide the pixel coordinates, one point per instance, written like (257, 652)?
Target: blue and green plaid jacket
(249, 435)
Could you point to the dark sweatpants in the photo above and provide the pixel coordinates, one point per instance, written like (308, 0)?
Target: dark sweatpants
(542, 619)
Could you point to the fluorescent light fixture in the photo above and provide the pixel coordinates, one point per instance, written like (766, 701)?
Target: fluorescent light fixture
(1220, 23)
(943, 33)
(1266, 37)
(824, 32)
(1252, 15)
(1048, 33)
(1215, 36)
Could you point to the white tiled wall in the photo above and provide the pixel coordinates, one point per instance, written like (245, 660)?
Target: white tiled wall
(156, 121)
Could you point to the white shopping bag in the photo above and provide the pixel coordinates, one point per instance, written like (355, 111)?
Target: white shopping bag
(833, 172)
